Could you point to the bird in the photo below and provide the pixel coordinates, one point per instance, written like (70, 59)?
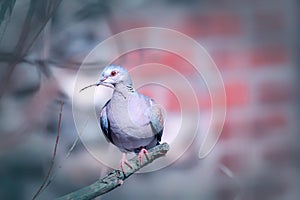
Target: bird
(131, 121)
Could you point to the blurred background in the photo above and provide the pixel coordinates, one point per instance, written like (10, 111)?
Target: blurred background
(255, 45)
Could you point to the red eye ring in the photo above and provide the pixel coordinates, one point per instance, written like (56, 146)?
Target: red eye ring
(113, 73)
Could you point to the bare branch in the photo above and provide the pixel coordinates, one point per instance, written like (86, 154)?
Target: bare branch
(54, 154)
(116, 177)
(67, 156)
(8, 57)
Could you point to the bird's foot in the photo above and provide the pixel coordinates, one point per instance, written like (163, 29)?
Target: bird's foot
(140, 155)
(124, 162)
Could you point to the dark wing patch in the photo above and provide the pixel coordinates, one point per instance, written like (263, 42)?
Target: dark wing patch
(159, 135)
(105, 125)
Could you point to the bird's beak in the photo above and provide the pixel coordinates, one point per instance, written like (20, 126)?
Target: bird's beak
(102, 80)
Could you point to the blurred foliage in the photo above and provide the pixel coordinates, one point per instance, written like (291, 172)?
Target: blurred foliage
(184, 2)
(94, 9)
(6, 6)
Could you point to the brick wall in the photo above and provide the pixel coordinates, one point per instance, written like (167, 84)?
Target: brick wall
(253, 45)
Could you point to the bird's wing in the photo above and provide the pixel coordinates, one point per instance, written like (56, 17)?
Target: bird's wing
(156, 119)
(104, 123)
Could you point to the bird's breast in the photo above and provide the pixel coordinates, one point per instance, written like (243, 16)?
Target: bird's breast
(129, 116)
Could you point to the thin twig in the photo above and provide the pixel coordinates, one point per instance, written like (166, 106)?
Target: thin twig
(60, 166)
(58, 64)
(67, 156)
(54, 153)
(116, 177)
(6, 57)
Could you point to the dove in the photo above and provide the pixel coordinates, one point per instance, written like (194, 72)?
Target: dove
(130, 120)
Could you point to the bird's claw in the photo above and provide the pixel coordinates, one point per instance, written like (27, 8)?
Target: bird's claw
(141, 153)
(124, 162)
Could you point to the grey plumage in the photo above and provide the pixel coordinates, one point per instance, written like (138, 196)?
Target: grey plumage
(129, 120)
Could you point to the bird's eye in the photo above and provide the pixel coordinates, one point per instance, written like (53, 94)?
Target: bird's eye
(113, 73)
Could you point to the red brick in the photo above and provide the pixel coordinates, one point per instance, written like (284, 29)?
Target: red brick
(268, 56)
(228, 59)
(275, 92)
(152, 55)
(162, 96)
(147, 90)
(177, 63)
(144, 56)
(129, 59)
(236, 127)
(237, 93)
(212, 25)
(268, 123)
(226, 130)
(204, 101)
(165, 97)
(138, 57)
(128, 23)
(173, 104)
(180, 102)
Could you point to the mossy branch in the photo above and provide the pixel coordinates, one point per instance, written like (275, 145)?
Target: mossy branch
(116, 177)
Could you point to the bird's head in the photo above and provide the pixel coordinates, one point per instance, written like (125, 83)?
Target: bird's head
(114, 75)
